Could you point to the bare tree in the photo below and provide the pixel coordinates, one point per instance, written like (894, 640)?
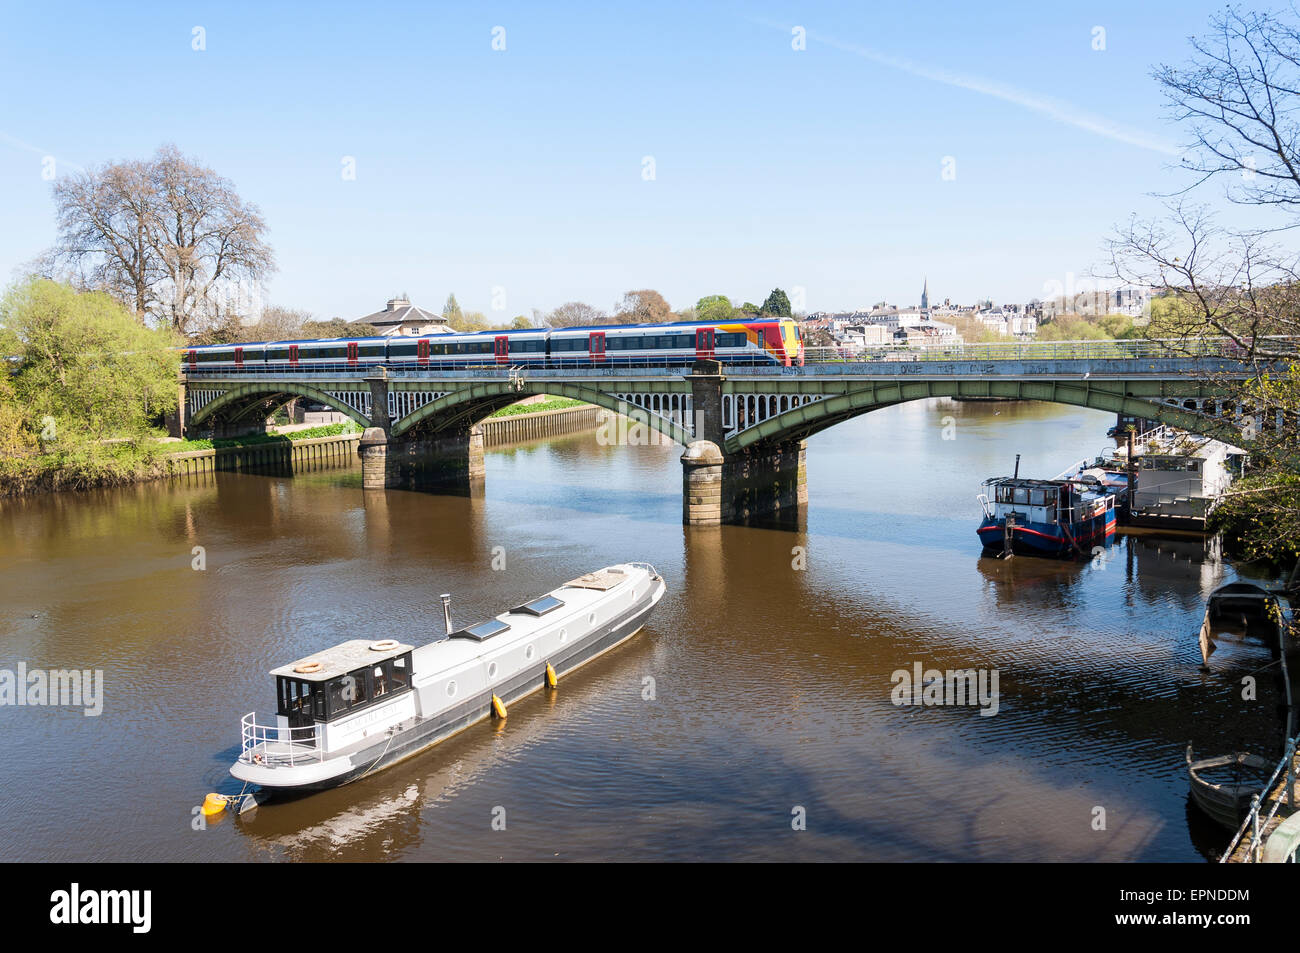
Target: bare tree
(281, 324)
(643, 307)
(168, 237)
(576, 314)
(1239, 96)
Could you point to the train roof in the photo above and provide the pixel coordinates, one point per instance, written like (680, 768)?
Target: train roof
(490, 332)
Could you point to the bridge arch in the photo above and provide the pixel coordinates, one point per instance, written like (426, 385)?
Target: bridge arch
(473, 404)
(241, 397)
(810, 418)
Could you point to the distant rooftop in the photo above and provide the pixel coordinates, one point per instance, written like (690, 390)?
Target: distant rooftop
(401, 317)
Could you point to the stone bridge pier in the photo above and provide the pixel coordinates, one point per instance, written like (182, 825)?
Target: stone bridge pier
(449, 459)
(764, 481)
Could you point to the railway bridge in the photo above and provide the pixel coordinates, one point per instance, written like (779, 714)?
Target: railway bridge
(744, 429)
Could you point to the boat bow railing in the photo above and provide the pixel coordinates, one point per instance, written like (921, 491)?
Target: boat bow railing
(276, 747)
(654, 573)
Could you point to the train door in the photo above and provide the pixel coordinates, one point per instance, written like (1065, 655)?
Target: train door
(352, 354)
(703, 343)
(422, 351)
(502, 348)
(293, 355)
(596, 346)
(194, 359)
(239, 357)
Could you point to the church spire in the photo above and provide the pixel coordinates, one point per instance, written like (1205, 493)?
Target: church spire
(925, 295)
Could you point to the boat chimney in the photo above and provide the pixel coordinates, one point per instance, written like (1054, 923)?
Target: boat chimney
(1016, 475)
(446, 610)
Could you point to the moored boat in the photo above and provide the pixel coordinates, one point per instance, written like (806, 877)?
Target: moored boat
(1222, 786)
(362, 705)
(1046, 517)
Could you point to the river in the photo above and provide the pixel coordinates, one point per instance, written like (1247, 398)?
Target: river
(756, 702)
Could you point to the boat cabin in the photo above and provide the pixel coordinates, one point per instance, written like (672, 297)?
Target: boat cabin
(1031, 501)
(332, 686)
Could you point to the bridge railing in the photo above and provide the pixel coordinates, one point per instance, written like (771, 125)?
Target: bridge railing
(1136, 349)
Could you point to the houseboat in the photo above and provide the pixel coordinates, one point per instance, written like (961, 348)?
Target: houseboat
(1046, 517)
(361, 706)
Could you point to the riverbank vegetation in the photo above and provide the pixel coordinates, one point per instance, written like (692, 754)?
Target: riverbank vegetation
(85, 388)
(553, 403)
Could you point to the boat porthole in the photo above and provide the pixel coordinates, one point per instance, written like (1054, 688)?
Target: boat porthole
(492, 670)
(529, 652)
(591, 619)
(451, 689)
(564, 636)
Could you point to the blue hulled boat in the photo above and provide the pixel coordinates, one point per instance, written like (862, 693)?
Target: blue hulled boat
(1046, 517)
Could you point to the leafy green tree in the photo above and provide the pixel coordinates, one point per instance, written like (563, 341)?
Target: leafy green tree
(714, 308)
(87, 368)
(335, 328)
(468, 321)
(521, 322)
(16, 438)
(451, 310)
(777, 304)
(750, 308)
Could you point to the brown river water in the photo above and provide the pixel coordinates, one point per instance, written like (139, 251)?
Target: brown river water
(756, 701)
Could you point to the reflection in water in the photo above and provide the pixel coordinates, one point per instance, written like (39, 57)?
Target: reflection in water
(763, 682)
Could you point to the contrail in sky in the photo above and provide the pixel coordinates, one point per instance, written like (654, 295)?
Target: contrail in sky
(1053, 109)
(40, 152)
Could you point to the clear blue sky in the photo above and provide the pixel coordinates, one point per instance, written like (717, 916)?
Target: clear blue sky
(523, 169)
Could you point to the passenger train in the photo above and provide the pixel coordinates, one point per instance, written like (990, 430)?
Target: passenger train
(770, 341)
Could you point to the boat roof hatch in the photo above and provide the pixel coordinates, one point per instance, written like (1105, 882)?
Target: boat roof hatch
(601, 579)
(482, 631)
(538, 607)
(341, 659)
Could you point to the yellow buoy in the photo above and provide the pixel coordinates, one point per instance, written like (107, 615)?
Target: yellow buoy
(214, 804)
(550, 676)
(498, 707)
